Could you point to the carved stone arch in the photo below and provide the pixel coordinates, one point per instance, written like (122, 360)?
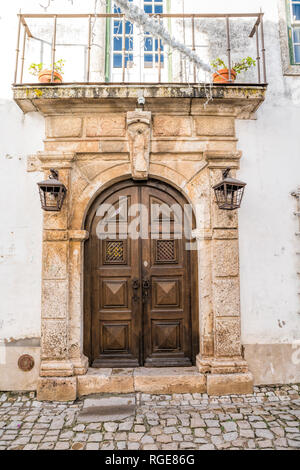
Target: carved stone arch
(109, 177)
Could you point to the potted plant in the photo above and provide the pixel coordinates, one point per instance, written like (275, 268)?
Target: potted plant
(44, 73)
(222, 74)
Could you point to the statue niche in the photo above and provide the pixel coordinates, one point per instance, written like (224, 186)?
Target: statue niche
(139, 132)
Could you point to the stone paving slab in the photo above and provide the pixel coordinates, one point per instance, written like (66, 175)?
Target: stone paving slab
(267, 419)
(101, 409)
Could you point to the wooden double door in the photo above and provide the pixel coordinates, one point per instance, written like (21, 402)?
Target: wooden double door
(140, 279)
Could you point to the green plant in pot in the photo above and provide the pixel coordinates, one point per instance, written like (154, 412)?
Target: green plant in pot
(222, 74)
(44, 73)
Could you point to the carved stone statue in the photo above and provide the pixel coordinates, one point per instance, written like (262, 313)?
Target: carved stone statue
(139, 130)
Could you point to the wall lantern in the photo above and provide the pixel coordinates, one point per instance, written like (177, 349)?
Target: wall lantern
(229, 192)
(52, 192)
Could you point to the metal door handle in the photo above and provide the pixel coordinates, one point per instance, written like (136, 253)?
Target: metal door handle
(135, 283)
(146, 288)
(135, 287)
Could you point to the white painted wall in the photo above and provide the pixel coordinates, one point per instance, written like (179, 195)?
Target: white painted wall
(270, 166)
(21, 215)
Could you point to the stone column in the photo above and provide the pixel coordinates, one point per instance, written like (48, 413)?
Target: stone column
(221, 356)
(79, 361)
(200, 193)
(56, 374)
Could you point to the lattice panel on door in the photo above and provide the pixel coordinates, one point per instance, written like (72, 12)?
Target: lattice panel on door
(165, 251)
(115, 252)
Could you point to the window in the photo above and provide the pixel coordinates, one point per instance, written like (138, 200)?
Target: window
(294, 30)
(153, 47)
(135, 55)
(118, 41)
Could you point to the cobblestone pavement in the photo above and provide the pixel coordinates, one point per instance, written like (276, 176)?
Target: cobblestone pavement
(268, 419)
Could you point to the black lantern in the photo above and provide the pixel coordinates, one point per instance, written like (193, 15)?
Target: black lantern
(229, 192)
(52, 192)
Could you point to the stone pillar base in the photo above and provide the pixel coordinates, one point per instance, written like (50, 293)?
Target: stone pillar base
(228, 384)
(56, 369)
(221, 366)
(57, 389)
(80, 365)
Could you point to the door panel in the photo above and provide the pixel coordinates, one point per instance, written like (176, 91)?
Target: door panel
(165, 264)
(115, 316)
(140, 289)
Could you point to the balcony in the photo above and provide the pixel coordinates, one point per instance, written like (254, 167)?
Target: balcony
(107, 48)
(108, 57)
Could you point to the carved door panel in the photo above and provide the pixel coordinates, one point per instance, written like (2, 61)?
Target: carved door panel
(138, 290)
(116, 305)
(166, 283)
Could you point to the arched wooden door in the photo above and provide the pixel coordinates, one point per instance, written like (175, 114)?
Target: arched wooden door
(140, 280)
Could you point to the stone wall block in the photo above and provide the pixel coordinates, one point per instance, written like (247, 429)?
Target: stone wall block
(57, 389)
(55, 299)
(80, 146)
(54, 339)
(227, 384)
(227, 337)
(221, 218)
(176, 146)
(63, 126)
(54, 260)
(214, 126)
(172, 126)
(109, 125)
(225, 258)
(226, 295)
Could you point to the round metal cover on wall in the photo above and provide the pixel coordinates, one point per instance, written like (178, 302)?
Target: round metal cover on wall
(26, 362)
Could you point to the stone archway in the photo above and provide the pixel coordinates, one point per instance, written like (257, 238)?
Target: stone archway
(191, 165)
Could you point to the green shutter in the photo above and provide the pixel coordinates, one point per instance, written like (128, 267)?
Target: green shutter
(290, 31)
(107, 42)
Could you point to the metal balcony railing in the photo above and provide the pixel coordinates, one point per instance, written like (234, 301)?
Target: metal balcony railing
(113, 50)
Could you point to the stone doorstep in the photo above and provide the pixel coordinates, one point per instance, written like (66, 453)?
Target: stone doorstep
(165, 380)
(142, 379)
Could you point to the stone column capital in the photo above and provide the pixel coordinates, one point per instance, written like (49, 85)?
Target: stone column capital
(218, 159)
(78, 235)
(63, 160)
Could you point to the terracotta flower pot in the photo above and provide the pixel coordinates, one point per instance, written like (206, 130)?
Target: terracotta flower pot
(45, 77)
(223, 76)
